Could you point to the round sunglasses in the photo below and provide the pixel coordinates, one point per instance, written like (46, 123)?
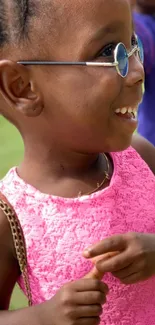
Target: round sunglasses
(121, 59)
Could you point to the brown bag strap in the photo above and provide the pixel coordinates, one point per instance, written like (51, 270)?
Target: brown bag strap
(19, 242)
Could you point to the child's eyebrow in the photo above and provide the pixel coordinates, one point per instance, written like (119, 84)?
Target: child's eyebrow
(112, 28)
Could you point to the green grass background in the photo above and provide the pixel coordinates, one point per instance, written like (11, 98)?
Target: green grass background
(11, 151)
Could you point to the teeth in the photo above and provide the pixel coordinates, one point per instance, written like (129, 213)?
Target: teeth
(118, 110)
(125, 110)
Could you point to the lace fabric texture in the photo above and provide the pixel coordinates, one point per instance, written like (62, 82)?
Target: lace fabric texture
(57, 230)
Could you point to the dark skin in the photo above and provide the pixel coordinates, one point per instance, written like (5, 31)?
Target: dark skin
(68, 151)
(76, 108)
(134, 260)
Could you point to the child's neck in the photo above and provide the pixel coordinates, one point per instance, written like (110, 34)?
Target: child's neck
(63, 174)
(147, 10)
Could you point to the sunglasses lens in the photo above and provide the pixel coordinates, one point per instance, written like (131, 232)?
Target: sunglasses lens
(122, 59)
(141, 49)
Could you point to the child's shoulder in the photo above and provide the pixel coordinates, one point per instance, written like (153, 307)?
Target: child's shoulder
(146, 151)
(8, 179)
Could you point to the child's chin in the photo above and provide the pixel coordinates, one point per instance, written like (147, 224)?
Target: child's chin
(123, 144)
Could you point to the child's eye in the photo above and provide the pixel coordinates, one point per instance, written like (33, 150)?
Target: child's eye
(107, 53)
(108, 50)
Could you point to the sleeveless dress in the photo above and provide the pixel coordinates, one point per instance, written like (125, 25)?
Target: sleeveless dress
(57, 230)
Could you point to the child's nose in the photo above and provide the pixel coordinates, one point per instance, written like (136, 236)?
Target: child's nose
(136, 72)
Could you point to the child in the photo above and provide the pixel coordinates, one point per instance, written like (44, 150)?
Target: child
(144, 18)
(80, 180)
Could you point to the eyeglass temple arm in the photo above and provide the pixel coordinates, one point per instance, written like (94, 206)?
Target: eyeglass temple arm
(101, 64)
(91, 64)
(49, 63)
(136, 48)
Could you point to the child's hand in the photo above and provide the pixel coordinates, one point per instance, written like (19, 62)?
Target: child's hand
(79, 303)
(135, 261)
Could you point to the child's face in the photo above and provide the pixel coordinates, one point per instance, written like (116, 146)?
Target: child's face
(80, 102)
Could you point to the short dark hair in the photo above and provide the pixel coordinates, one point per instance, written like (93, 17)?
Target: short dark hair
(3, 24)
(14, 19)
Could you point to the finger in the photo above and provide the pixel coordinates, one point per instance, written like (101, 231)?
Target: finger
(132, 279)
(89, 298)
(88, 321)
(111, 244)
(103, 257)
(116, 263)
(89, 285)
(127, 271)
(89, 311)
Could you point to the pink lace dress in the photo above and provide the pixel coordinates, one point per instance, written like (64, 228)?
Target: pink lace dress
(57, 230)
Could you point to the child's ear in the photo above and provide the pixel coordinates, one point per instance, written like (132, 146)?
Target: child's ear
(18, 90)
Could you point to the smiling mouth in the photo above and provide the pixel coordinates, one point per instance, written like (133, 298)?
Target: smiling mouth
(127, 112)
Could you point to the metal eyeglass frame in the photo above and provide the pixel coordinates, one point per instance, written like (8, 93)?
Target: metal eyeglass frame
(90, 64)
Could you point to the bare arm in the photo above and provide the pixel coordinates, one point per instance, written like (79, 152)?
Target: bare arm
(9, 273)
(146, 150)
